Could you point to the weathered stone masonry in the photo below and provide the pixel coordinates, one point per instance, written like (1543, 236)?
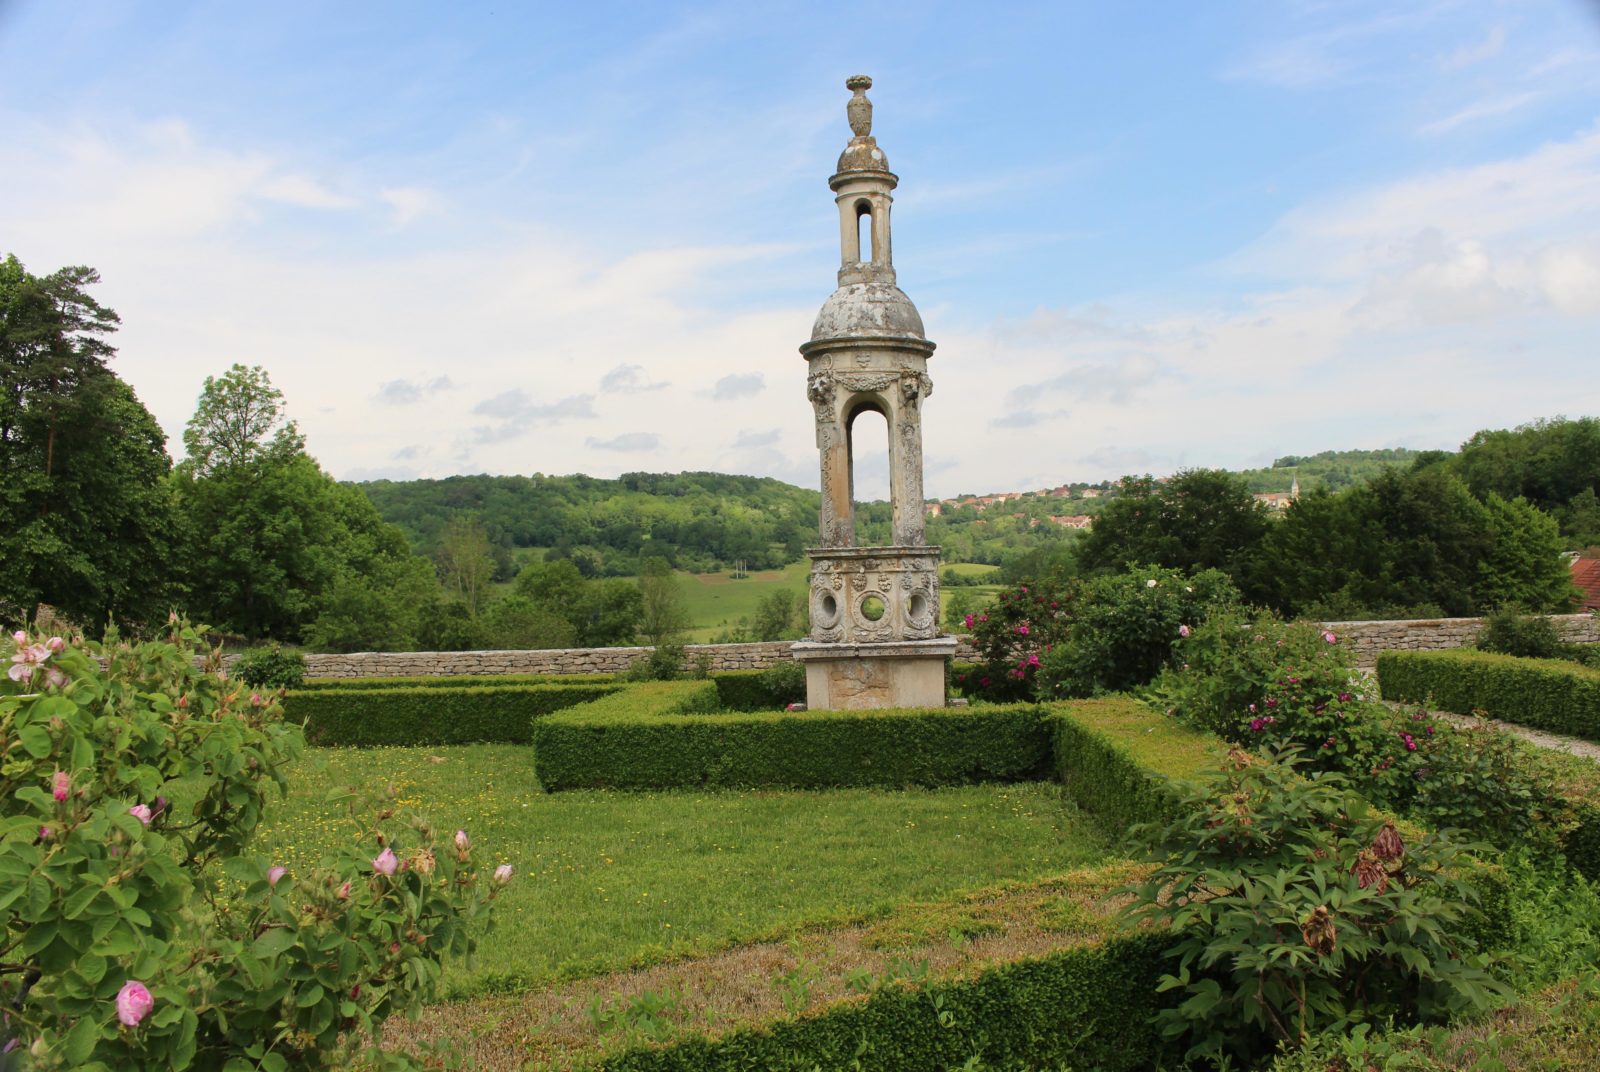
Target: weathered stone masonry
(1366, 638)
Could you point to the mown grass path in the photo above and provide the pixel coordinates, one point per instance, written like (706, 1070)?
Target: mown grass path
(610, 880)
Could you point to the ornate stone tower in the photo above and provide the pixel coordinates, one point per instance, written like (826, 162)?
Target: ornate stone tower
(874, 610)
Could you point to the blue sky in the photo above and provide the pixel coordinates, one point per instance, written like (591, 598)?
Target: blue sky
(561, 238)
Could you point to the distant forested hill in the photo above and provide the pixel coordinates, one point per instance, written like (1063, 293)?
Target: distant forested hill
(1331, 469)
(697, 521)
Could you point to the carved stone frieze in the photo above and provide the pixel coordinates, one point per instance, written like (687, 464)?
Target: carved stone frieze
(848, 583)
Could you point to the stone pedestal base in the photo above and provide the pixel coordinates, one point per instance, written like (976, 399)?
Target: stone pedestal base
(858, 677)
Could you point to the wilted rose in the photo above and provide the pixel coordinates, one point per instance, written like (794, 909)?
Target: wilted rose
(386, 862)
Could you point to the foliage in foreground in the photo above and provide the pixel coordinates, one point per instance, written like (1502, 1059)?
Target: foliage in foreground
(137, 930)
(1295, 911)
(1261, 684)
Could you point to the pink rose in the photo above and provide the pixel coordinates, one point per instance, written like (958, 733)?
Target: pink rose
(1327, 634)
(386, 862)
(141, 813)
(55, 643)
(61, 785)
(274, 874)
(19, 638)
(133, 1003)
(1183, 630)
(502, 874)
(44, 833)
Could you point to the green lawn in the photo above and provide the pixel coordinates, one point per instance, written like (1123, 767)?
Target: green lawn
(608, 879)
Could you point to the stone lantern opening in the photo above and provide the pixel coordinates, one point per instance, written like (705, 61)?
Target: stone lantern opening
(874, 638)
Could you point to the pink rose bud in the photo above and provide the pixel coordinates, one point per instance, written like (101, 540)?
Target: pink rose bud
(274, 874)
(344, 891)
(255, 699)
(394, 947)
(44, 833)
(1329, 637)
(61, 786)
(55, 643)
(462, 841)
(133, 1003)
(19, 638)
(54, 678)
(141, 813)
(1183, 630)
(502, 874)
(386, 862)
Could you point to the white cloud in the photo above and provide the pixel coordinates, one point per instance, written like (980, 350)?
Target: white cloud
(627, 380)
(1484, 109)
(1467, 55)
(735, 386)
(627, 442)
(408, 202)
(303, 191)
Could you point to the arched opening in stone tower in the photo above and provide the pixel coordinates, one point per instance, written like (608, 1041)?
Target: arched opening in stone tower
(866, 249)
(867, 432)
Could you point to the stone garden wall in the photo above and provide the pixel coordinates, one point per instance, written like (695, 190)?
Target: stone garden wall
(1437, 634)
(551, 661)
(1366, 638)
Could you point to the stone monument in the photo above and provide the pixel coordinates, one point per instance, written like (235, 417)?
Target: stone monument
(875, 638)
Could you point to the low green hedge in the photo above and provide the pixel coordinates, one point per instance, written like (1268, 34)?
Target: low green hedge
(1117, 758)
(431, 715)
(451, 681)
(1090, 1007)
(1548, 694)
(628, 742)
(759, 690)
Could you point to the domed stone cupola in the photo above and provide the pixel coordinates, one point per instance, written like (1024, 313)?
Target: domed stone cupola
(875, 638)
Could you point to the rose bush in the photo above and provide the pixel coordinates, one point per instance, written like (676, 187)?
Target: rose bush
(1013, 635)
(137, 931)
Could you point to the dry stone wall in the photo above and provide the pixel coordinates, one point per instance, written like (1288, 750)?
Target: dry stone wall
(1366, 638)
(551, 661)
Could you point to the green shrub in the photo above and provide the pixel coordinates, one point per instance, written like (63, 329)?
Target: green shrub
(1542, 693)
(771, 689)
(271, 668)
(635, 740)
(664, 663)
(451, 681)
(1232, 664)
(1012, 634)
(1090, 1006)
(1123, 629)
(1509, 631)
(431, 715)
(1297, 911)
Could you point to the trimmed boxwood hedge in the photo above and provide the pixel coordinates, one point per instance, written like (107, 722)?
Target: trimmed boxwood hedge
(1118, 757)
(431, 715)
(628, 742)
(1548, 694)
(451, 681)
(1091, 1007)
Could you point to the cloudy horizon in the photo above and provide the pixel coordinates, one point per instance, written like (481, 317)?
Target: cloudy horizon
(555, 240)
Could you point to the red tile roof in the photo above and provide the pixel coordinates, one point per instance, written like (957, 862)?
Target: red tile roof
(1586, 575)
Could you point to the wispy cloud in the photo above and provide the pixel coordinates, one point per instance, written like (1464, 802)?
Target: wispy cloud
(627, 442)
(405, 392)
(750, 439)
(736, 386)
(303, 191)
(1484, 109)
(406, 203)
(1468, 55)
(628, 380)
(519, 414)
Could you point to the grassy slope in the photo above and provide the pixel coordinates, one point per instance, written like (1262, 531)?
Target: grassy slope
(716, 600)
(609, 879)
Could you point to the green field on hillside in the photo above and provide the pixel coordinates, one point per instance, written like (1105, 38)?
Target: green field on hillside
(717, 600)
